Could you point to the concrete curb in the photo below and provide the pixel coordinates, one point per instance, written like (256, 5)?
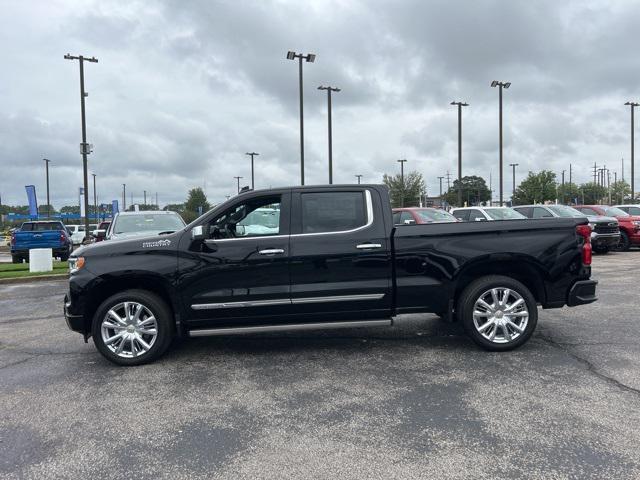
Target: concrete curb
(37, 278)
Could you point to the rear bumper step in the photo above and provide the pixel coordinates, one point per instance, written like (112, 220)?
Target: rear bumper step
(290, 327)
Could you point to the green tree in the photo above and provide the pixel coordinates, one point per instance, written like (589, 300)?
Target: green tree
(568, 193)
(195, 200)
(70, 209)
(407, 194)
(592, 193)
(474, 190)
(536, 188)
(174, 207)
(620, 191)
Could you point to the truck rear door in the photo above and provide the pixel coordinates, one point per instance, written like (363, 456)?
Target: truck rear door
(340, 255)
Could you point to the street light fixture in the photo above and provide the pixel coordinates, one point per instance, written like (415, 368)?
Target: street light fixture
(633, 105)
(309, 58)
(46, 161)
(238, 179)
(252, 154)
(402, 162)
(460, 105)
(329, 89)
(85, 148)
(501, 85)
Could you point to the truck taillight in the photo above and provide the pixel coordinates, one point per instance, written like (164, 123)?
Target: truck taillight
(585, 232)
(63, 237)
(13, 239)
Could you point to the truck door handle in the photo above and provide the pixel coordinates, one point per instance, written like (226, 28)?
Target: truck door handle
(271, 251)
(365, 246)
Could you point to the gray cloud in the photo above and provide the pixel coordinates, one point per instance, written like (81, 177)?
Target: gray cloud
(183, 90)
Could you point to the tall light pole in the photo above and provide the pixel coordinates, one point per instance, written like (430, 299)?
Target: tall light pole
(124, 197)
(358, 177)
(402, 162)
(513, 193)
(563, 186)
(85, 148)
(309, 58)
(252, 154)
(633, 105)
(501, 85)
(238, 179)
(460, 105)
(145, 198)
(329, 89)
(441, 178)
(46, 162)
(95, 197)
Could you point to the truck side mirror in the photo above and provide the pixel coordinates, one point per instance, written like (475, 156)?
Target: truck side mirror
(197, 233)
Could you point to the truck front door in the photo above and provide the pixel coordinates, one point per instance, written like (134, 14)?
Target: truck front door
(239, 272)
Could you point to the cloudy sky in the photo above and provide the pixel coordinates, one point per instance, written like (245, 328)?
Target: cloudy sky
(183, 89)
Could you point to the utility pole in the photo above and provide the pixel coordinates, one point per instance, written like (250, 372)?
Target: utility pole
(595, 172)
(85, 148)
(95, 197)
(329, 89)
(441, 178)
(46, 162)
(157, 206)
(238, 179)
(448, 181)
(145, 198)
(501, 85)
(562, 198)
(124, 197)
(633, 105)
(310, 58)
(460, 105)
(252, 154)
(359, 177)
(609, 184)
(513, 193)
(402, 161)
(570, 175)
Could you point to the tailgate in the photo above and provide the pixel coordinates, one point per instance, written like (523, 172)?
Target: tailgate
(44, 239)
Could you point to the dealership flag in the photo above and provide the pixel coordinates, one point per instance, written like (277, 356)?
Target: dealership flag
(81, 197)
(33, 201)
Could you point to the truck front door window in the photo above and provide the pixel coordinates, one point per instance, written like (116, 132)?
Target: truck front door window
(253, 218)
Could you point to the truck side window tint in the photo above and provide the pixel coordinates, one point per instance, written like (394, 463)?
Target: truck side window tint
(396, 218)
(589, 211)
(634, 210)
(462, 215)
(475, 215)
(256, 217)
(332, 211)
(406, 216)
(539, 212)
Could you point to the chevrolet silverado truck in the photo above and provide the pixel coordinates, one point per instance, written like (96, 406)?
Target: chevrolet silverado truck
(330, 258)
(40, 234)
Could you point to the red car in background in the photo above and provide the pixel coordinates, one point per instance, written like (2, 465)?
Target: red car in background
(629, 224)
(420, 215)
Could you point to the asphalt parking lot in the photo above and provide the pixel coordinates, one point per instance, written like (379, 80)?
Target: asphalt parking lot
(418, 400)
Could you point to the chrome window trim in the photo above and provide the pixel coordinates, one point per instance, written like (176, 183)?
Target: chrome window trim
(369, 207)
(288, 301)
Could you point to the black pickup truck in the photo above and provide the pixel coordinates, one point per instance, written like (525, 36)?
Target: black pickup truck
(323, 257)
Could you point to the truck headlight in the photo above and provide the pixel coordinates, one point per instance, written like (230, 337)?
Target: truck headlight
(592, 226)
(75, 264)
(636, 223)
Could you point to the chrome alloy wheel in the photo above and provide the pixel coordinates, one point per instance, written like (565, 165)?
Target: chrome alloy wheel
(500, 315)
(129, 329)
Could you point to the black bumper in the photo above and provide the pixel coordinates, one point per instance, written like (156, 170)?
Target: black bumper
(606, 241)
(582, 292)
(74, 322)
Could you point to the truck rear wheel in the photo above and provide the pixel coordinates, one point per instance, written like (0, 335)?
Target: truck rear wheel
(624, 243)
(132, 327)
(16, 259)
(498, 312)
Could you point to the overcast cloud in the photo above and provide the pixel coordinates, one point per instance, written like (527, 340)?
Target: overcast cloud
(183, 89)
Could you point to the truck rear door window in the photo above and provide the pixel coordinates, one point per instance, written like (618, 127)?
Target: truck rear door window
(332, 211)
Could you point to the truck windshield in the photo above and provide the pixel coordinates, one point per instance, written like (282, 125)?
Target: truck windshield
(436, 215)
(615, 212)
(566, 212)
(148, 222)
(503, 214)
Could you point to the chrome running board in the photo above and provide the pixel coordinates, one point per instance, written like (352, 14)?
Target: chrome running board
(290, 327)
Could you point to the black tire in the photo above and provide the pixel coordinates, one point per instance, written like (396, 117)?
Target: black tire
(601, 250)
(624, 243)
(476, 290)
(165, 326)
(16, 259)
(64, 258)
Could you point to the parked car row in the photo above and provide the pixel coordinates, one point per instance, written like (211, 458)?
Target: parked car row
(612, 227)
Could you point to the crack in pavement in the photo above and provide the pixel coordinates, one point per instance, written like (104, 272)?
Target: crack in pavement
(591, 368)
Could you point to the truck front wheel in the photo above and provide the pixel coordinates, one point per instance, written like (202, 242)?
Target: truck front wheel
(132, 327)
(498, 312)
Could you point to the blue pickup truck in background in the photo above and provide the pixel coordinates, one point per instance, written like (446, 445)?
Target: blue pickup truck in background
(44, 234)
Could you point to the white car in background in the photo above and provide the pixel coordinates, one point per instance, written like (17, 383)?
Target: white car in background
(486, 214)
(78, 233)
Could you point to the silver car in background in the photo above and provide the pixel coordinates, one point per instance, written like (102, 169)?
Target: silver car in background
(144, 223)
